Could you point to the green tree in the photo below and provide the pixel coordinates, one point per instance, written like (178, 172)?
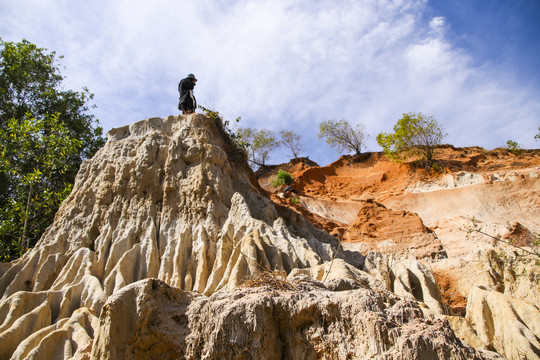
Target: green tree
(30, 82)
(513, 147)
(34, 151)
(342, 136)
(32, 99)
(537, 136)
(261, 143)
(291, 141)
(414, 134)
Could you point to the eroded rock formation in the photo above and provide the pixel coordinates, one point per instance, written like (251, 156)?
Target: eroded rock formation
(145, 259)
(165, 199)
(421, 220)
(261, 323)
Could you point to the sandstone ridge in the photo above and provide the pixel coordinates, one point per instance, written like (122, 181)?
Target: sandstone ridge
(424, 215)
(162, 199)
(148, 258)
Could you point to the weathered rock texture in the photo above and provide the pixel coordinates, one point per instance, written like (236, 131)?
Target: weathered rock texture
(145, 256)
(392, 231)
(507, 325)
(418, 220)
(165, 198)
(261, 323)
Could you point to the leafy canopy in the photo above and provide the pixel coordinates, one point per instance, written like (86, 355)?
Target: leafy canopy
(342, 136)
(291, 141)
(33, 151)
(261, 143)
(46, 132)
(30, 82)
(414, 134)
(513, 147)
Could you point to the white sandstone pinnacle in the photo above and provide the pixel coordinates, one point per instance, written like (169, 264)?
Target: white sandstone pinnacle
(165, 199)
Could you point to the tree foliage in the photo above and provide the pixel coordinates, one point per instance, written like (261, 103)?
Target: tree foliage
(414, 134)
(537, 136)
(34, 152)
(291, 141)
(342, 136)
(46, 133)
(513, 147)
(30, 82)
(261, 143)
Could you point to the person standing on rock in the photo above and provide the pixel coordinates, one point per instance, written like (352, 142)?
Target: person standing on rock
(187, 102)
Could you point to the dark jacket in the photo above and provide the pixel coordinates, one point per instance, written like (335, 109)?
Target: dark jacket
(187, 102)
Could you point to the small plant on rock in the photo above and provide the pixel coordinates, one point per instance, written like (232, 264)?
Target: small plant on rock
(265, 277)
(435, 167)
(282, 178)
(521, 253)
(234, 139)
(513, 147)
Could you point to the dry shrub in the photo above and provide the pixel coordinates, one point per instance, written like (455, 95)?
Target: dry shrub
(276, 279)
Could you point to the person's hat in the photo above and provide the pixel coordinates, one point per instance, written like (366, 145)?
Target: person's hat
(191, 76)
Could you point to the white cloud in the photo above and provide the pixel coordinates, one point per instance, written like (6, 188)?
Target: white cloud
(278, 64)
(437, 24)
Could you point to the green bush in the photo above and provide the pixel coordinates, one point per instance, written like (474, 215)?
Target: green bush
(282, 178)
(435, 167)
(513, 147)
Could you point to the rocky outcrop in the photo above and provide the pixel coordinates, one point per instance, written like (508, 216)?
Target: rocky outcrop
(421, 220)
(167, 248)
(505, 324)
(390, 231)
(500, 323)
(152, 320)
(54, 322)
(165, 198)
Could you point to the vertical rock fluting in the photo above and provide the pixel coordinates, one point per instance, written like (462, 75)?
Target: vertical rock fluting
(163, 199)
(144, 258)
(261, 323)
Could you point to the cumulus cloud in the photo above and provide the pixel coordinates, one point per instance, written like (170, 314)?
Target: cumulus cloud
(437, 24)
(278, 64)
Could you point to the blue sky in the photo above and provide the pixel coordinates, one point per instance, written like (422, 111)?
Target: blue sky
(499, 33)
(291, 64)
